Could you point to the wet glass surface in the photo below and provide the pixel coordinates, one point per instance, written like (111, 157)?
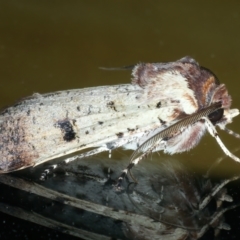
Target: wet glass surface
(170, 201)
(47, 46)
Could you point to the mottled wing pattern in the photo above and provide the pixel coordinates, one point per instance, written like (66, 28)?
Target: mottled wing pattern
(47, 126)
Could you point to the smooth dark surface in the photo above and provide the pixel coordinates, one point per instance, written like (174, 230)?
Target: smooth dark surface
(176, 186)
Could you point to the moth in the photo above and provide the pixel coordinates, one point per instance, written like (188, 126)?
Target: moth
(167, 106)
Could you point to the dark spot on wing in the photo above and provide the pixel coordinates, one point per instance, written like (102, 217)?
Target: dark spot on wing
(67, 130)
(158, 105)
(119, 135)
(87, 132)
(130, 129)
(78, 108)
(100, 123)
(111, 105)
(175, 101)
(161, 121)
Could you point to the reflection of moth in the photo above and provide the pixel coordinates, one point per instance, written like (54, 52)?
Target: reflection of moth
(168, 106)
(169, 202)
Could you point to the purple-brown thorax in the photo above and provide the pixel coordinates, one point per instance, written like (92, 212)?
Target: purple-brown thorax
(190, 86)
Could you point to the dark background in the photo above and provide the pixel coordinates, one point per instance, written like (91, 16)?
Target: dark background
(57, 45)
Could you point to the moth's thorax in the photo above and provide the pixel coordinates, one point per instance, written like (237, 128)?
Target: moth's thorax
(184, 81)
(188, 88)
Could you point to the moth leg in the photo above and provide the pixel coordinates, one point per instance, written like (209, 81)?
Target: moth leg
(53, 167)
(106, 147)
(230, 132)
(133, 163)
(86, 154)
(163, 142)
(220, 194)
(215, 191)
(211, 129)
(214, 219)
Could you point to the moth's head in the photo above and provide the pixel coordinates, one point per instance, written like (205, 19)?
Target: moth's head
(223, 116)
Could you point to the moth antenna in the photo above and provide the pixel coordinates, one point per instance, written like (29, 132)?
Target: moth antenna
(162, 136)
(130, 67)
(211, 129)
(230, 132)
